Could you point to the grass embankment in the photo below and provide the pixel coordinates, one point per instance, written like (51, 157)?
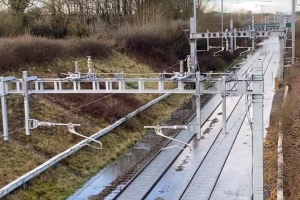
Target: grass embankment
(288, 115)
(271, 151)
(291, 139)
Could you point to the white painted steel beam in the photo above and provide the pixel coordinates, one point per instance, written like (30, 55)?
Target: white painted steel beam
(4, 108)
(57, 86)
(258, 132)
(241, 34)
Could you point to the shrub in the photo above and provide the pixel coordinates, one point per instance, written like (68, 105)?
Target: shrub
(163, 41)
(16, 52)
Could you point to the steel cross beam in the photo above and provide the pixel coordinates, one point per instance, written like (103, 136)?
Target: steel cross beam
(34, 85)
(258, 132)
(241, 34)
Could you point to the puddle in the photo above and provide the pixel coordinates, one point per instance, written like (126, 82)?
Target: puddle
(103, 179)
(211, 125)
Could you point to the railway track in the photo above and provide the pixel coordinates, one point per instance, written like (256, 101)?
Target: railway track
(149, 183)
(201, 175)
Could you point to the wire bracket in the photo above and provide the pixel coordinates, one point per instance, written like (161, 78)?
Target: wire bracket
(158, 130)
(33, 124)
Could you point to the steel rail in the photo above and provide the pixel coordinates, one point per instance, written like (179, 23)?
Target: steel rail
(213, 143)
(219, 174)
(146, 195)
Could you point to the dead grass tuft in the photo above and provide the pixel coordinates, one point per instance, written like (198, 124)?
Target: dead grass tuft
(16, 53)
(289, 115)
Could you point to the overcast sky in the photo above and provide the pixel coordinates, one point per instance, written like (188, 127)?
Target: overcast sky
(255, 5)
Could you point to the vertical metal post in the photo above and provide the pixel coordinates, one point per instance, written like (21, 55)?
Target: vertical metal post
(198, 106)
(26, 102)
(235, 39)
(207, 41)
(4, 109)
(226, 39)
(258, 133)
(253, 29)
(193, 42)
(265, 25)
(222, 21)
(189, 63)
(224, 104)
(181, 70)
(231, 39)
(293, 26)
(281, 48)
(76, 67)
(90, 64)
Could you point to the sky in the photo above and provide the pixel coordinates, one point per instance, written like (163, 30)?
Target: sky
(255, 5)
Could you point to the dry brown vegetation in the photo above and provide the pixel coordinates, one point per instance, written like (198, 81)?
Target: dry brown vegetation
(290, 127)
(270, 151)
(18, 53)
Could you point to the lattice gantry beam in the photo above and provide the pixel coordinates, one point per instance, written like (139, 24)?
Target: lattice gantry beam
(241, 34)
(125, 85)
(29, 85)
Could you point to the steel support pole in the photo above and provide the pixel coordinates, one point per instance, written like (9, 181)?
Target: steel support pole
(253, 29)
(224, 104)
(198, 106)
(231, 39)
(293, 26)
(193, 41)
(207, 41)
(234, 39)
(281, 49)
(281, 54)
(26, 102)
(4, 109)
(258, 133)
(265, 25)
(222, 21)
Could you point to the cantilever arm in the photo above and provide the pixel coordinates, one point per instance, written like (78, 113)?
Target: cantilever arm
(158, 131)
(215, 53)
(72, 130)
(33, 123)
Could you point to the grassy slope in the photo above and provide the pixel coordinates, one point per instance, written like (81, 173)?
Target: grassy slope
(22, 153)
(290, 128)
(270, 145)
